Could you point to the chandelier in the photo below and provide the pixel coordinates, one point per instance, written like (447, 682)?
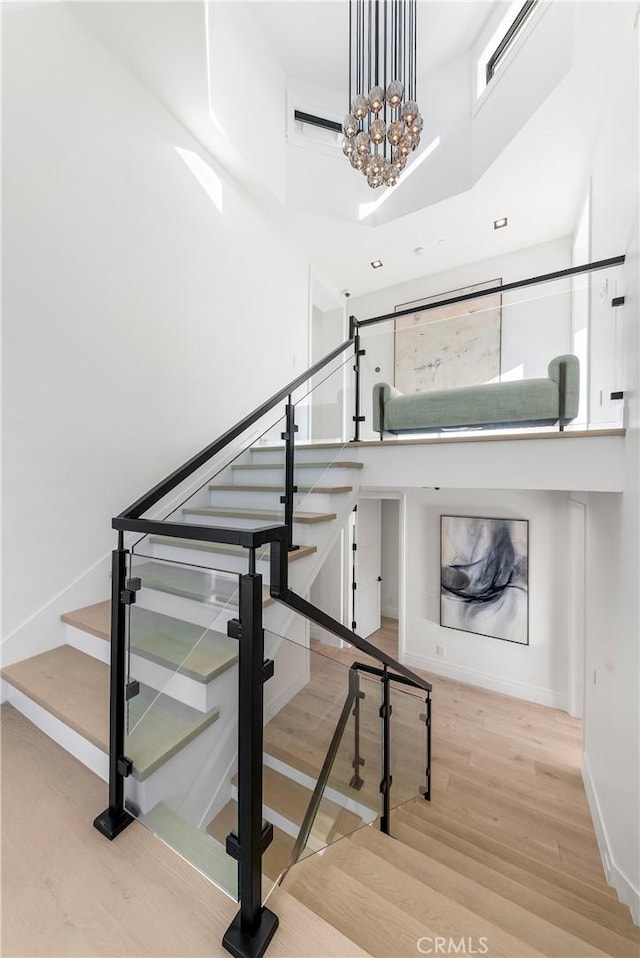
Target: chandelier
(384, 124)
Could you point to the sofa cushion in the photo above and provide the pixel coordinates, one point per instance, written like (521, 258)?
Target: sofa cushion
(473, 405)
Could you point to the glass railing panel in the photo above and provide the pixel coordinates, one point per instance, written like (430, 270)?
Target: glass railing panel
(322, 751)
(182, 708)
(508, 337)
(409, 752)
(227, 498)
(326, 472)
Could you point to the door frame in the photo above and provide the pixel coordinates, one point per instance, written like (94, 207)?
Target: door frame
(401, 498)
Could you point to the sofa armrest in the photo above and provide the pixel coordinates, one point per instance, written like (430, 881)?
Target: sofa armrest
(382, 393)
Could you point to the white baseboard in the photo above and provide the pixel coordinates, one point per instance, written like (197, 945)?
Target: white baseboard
(70, 740)
(627, 892)
(486, 680)
(390, 611)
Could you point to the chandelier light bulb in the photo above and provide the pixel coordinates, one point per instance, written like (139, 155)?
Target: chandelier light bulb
(348, 146)
(395, 132)
(376, 99)
(415, 127)
(398, 163)
(395, 91)
(374, 179)
(359, 161)
(376, 165)
(350, 126)
(363, 142)
(405, 145)
(389, 174)
(410, 112)
(359, 106)
(377, 131)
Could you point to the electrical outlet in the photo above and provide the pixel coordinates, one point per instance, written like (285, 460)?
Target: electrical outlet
(441, 650)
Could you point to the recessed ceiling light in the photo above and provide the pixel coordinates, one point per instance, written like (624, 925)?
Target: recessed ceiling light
(501, 223)
(377, 263)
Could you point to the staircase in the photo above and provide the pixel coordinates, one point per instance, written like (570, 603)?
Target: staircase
(182, 721)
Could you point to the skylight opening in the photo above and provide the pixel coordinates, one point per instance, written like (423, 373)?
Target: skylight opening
(492, 56)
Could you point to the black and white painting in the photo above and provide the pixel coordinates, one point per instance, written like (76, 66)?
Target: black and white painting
(484, 576)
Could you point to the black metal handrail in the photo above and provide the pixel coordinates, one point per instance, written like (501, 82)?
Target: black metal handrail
(170, 482)
(502, 288)
(352, 701)
(325, 771)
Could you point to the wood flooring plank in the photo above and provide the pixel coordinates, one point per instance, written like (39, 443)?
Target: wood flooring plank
(69, 892)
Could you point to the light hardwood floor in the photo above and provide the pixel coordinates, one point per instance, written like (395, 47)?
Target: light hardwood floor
(66, 891)
(505, 850)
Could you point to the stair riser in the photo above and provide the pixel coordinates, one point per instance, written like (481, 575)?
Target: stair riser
(210, 560)
(260, 454)
(305, 533)
(303, 477)
(175, 773)
(310, 502)
(205, 614)
(199, 695)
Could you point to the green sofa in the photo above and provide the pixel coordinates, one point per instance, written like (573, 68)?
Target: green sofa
(526, 402)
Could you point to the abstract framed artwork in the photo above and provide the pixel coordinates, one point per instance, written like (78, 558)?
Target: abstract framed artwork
(484, 576)
(455, 345)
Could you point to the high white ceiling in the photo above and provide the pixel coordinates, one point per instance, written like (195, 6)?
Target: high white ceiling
(310, 37)
(538, 180)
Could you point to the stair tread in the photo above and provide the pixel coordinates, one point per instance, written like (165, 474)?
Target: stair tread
(74, 687)
(255, 487)
(209, 857)
(475, 897)
(308, 518)
(354, 889)
(568, 912)
(335, 464)
(291, 800)
(277, 856)
(199, 653)
(221, 549)
(552, 872)
(191, 583)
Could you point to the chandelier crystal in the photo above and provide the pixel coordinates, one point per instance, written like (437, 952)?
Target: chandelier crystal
(384, 124)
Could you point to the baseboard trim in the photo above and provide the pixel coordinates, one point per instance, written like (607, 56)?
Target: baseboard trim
(390, 612)
(627, 892)
(485, 680)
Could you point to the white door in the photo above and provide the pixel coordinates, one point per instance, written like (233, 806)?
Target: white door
(366, 596)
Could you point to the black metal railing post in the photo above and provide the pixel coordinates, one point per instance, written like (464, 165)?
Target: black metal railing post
(427, 721)
(357, 353)
(354, 680)
(252, 929)
(115, 819)
(289, 436)
(385, 784)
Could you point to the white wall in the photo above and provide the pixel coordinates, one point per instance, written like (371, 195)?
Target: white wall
(390, 558)
(612, 719)
(144, 310)
(537, 672)
(536, 322)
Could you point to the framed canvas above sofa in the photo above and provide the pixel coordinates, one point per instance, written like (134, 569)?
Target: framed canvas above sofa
(457, 345)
